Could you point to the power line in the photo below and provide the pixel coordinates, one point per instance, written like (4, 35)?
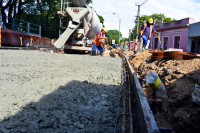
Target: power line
(144, 2)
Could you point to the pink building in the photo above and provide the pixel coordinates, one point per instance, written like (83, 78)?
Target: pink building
(132, 45)
(173, 34)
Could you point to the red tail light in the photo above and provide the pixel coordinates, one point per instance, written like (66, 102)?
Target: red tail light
(67, 42)
(90, 45)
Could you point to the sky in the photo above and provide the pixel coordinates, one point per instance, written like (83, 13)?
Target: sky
(127, 11)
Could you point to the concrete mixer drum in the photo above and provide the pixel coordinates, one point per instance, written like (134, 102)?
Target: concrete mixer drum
(78, 3)
(83, 24)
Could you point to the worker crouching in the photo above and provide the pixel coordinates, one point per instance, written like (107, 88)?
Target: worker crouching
(146, 30)
(98, 42)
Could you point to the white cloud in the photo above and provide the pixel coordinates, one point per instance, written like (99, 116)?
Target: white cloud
(127, 11)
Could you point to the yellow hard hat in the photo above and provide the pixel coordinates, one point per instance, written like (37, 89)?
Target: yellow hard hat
(104, 28)
(151, 21)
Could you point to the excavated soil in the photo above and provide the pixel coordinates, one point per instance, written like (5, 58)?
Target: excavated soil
(138, 58)
(45, 92)
(180, 112)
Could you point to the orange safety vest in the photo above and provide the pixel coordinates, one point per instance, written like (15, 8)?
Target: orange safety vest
(142, 30)
(98, 41)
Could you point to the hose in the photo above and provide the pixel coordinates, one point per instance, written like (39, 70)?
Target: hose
(89, 25)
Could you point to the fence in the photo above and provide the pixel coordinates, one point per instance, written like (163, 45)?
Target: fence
(19, 25)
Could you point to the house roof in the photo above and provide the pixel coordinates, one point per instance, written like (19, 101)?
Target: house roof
(174, 24)
(194, 30)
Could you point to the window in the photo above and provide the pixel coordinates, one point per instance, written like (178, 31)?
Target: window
(156, 43)
(177, 42)
(165, 43)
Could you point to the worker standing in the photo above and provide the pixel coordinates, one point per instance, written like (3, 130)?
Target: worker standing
(146, 30)
(98, 42)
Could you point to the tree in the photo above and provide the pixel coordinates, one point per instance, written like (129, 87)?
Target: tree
(13, 7)
(40, 12)
(113, 35)
(89, 1)
(44, 13)
(144, 18)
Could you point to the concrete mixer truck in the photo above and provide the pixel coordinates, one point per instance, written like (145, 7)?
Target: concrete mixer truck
(83, 24)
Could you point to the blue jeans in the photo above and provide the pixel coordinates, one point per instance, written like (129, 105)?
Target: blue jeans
(145, 40)
(94, 48)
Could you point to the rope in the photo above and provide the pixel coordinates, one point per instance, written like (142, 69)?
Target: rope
(159, 38)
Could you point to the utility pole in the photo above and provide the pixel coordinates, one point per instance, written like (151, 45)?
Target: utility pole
(138, 18)
(129, 39)
(119, 30)
(138, 15)
(119, 26)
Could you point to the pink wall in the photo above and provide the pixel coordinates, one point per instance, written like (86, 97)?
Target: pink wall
(171, 33)
(132, 45)
(170, 30)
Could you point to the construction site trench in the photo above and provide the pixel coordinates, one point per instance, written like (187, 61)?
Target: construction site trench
(49, 92)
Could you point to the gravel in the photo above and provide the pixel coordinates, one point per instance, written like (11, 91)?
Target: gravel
(46, 92)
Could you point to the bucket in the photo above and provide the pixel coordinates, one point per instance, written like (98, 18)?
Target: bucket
(154, 81)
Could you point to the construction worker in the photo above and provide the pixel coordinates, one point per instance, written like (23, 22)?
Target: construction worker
(146, 30)
(98, 42)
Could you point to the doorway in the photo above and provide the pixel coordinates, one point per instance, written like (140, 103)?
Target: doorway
(177, 42)
(165, 43)
(193, 46)
(156, 43)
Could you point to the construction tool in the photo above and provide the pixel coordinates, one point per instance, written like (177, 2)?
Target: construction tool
(112, 54)
(159, 38)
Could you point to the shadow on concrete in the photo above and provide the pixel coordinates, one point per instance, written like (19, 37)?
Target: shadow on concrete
(77, 107)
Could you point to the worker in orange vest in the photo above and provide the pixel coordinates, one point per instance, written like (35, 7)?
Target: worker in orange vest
(98, 41)
(146, 30)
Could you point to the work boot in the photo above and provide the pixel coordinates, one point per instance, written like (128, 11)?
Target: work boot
(102, 54)
(93, 54)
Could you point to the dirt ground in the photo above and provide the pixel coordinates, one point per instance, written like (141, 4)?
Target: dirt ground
(49, 92)
(139, 58)
(180, 112)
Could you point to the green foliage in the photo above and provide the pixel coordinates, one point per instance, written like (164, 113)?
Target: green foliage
(100, 17)
(44, 13)
(40, 12)
(14, 8)
(124, 39)
(89, 1)
(144, 18)
(113, 35)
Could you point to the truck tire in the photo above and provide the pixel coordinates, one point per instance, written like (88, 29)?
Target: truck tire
(68, 51)
(26, 42)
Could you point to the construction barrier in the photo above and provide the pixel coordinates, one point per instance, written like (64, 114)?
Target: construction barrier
(146, 120)
(0, 36)
(15, 38)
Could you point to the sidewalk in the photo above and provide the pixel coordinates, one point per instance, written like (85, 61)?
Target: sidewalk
(106, 53)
